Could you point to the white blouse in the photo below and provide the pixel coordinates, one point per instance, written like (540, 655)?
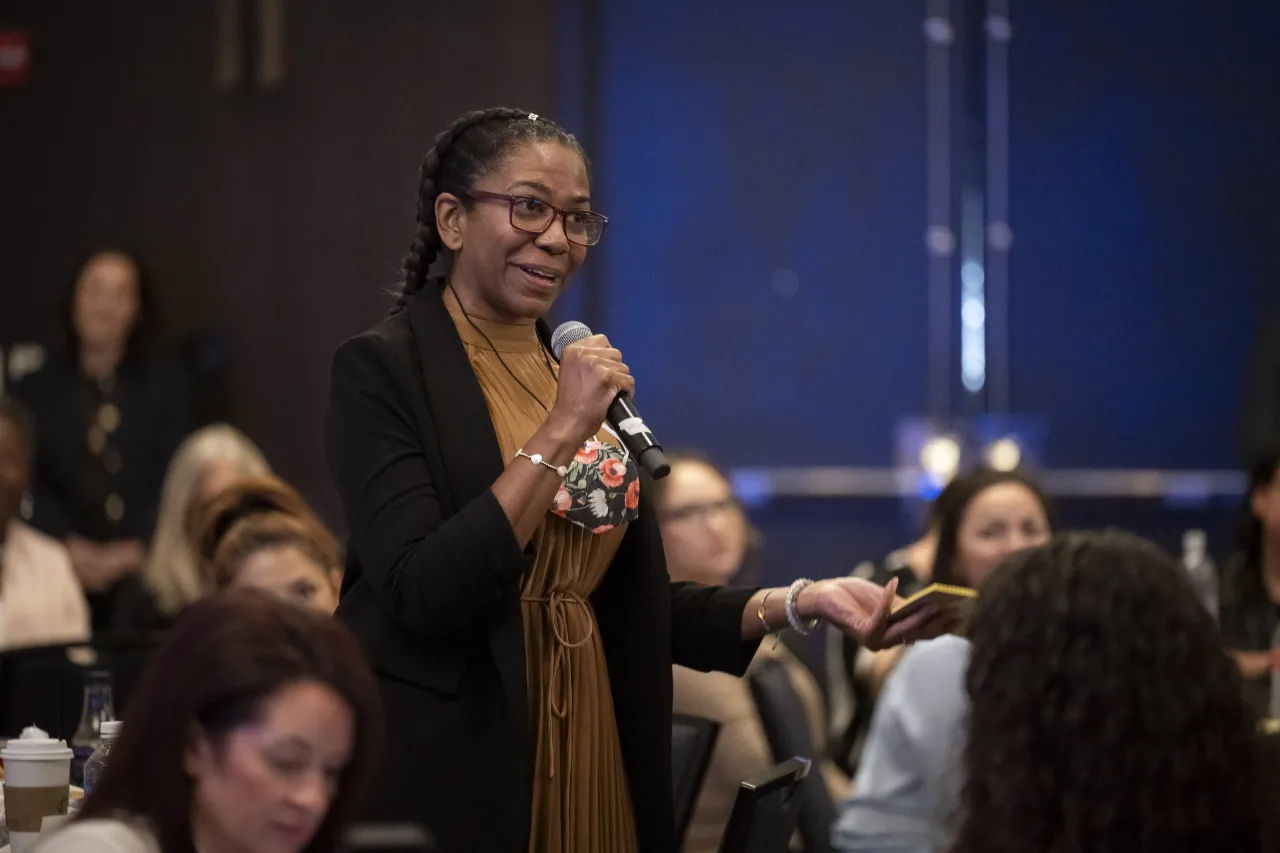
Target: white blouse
(41, 601)
(907, 790)
(101, 836)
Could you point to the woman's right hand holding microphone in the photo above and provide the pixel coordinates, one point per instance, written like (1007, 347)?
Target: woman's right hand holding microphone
(592, 374)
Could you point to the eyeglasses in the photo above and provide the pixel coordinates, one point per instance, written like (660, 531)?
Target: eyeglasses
(702, 511)
(534, 216)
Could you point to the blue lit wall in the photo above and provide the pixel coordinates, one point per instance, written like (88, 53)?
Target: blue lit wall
(765, 172)
(764, 268)
(1144, 198)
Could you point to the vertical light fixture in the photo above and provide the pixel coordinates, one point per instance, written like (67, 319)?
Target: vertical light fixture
(999, 240)
(973, 206)
(940, 238)
(973, 324)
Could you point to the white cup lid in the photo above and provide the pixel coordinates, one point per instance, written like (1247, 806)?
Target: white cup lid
(44, 747)
(34, 743)
(111, 728)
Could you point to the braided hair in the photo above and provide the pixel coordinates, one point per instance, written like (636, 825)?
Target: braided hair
(474, 144)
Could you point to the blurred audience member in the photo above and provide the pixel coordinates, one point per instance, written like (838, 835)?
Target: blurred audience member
(707, 538)
(849, 666)
(906, 787)
(1249, 609)
(251, 731)
(912, 565)
(109, 413)
(40, 598)
(987, 516)
(260, 533)
(1262, 396)
(209, 461)
(706, 534)
(990, 515)
(1103, 716)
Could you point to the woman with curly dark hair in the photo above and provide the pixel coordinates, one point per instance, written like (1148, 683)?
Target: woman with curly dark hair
(1104, 715)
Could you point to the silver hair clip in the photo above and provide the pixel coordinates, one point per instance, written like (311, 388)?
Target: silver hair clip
(533, 116)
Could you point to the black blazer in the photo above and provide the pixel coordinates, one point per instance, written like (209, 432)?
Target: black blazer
(432, 590)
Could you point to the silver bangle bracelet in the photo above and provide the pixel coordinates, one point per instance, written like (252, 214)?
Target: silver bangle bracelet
(793, 593)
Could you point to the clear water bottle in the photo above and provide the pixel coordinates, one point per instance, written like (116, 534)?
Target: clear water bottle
(98, 708)
(97, 762)
(1200, 569)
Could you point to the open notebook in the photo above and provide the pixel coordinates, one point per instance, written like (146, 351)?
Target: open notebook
(941, 595)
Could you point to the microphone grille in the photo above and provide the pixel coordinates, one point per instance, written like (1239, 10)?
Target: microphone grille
(568, 333)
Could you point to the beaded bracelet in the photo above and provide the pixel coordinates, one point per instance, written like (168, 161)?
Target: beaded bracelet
(793, 593)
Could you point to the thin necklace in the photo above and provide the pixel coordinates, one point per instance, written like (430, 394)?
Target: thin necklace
(498, 355)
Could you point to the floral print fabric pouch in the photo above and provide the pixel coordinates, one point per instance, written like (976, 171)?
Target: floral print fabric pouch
(601, 490)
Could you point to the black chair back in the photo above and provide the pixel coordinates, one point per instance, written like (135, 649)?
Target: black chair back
(811, 651)
(388, 838)
(692, 741)
(786, 726)
(44, 685)
(766, 810)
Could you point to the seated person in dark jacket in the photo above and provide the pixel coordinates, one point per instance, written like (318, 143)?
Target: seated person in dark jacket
(108, 416)
(1249, 609)
(1262, 396)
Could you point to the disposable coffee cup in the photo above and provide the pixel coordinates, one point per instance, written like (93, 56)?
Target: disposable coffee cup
(37, 780)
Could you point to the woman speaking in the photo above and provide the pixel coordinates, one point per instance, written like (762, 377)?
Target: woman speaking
(505, 569)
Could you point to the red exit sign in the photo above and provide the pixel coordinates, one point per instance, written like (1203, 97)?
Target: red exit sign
(15, 58)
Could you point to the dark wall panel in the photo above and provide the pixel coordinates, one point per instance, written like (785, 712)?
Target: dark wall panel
(278, 218)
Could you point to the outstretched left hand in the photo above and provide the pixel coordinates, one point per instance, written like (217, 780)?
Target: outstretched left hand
(861, 609)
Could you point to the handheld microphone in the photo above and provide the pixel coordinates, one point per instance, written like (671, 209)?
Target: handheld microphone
(622, 414)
